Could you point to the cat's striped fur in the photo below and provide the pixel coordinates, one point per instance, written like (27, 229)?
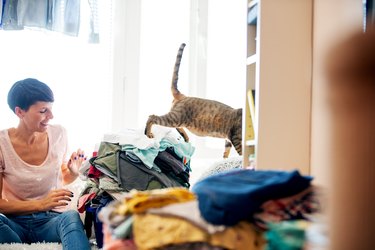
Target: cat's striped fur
(200, 116)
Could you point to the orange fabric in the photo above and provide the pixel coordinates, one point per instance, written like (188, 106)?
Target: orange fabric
(155, 231)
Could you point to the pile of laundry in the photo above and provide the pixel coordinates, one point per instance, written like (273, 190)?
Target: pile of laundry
(235, 209)
(131, 161)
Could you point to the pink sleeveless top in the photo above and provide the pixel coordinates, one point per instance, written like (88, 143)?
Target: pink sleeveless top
(22, 181)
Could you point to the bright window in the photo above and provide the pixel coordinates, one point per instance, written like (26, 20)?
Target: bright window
(77, 72)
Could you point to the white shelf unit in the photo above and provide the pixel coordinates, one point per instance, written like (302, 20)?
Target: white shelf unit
(279, 69)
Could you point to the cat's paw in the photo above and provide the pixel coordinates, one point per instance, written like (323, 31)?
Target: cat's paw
(150, 135)
(226, 154)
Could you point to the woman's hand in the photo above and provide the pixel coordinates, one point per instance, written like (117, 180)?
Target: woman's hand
(56, 198)
(75, 161)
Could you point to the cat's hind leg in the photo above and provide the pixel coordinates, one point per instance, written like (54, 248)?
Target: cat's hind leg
(228, 146)
(237, 144)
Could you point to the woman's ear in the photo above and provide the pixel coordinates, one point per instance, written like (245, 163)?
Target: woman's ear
(19, 112)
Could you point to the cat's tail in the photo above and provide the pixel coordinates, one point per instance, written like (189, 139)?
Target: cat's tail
(175, 92)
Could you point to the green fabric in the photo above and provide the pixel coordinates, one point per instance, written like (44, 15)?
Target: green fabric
(124, 230)
(147, 156)
(154, 185)
(90, 187)
(108, 184)
(286, 235)
(184, 150)
(106, 161)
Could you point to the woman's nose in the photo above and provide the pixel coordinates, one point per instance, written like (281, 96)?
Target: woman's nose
(50, 115)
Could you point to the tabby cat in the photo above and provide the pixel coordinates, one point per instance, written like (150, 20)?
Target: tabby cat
(200, 116)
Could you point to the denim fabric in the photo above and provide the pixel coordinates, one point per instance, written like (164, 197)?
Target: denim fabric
(92, 210)
(65, 227)
(1, 10)
(9, 19)
(94, 22)
(64, 16)
(32, 13)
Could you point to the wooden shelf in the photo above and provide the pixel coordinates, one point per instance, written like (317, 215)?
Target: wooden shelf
(252, 3)
(251, 59)
(250, 143)
(272, 72)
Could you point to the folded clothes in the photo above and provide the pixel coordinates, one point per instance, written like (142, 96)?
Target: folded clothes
(296, 207)
(146, 149)
(106, 160)
(135, 175)
(193, 246)
(188, 211)
(232, 196)
(94, 172)
(155, 231)
(83, 200)
(169, 164)
(111, 243)
(140, 201)
(286, 235)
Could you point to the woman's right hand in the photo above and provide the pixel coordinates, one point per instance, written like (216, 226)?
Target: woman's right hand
(56, 198)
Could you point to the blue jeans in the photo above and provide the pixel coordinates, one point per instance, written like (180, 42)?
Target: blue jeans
(49, 226)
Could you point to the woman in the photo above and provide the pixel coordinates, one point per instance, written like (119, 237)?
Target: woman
(33, 169)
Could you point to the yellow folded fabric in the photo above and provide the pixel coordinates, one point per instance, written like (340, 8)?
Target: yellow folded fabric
(140, 201)
(156, 231)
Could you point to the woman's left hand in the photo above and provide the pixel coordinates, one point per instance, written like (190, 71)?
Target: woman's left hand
(75, 161)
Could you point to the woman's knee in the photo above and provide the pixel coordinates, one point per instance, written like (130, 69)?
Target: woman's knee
(72, 231)
(72, 215)
(71, 218)
(3, 219)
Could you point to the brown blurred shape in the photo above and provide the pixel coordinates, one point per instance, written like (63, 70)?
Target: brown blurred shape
(350, 72)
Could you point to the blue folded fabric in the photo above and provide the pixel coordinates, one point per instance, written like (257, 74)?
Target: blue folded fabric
(230, 197)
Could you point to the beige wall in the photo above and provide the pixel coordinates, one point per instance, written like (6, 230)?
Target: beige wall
(333, 20)
(284, 85)
(293, 123)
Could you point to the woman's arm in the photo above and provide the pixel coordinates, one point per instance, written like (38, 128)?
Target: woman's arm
(70, 169)
(68, 175)
(55, 198)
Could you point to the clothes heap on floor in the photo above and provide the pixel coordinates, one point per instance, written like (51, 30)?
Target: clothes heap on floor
(131, 161)
(229, 210)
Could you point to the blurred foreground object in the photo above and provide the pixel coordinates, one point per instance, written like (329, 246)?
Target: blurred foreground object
(350, 71)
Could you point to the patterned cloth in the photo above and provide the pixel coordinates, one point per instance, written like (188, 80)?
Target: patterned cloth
(295, 207)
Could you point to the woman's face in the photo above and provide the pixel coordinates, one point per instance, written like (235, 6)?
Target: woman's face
(37, 117)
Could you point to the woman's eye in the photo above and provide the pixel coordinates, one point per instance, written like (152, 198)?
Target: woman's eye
(43, 111)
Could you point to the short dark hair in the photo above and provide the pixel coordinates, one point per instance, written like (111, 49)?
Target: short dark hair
(27, 92)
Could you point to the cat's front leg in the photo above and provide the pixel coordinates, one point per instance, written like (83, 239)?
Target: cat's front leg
(228, 146)
(183, 134)
(150, 122)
